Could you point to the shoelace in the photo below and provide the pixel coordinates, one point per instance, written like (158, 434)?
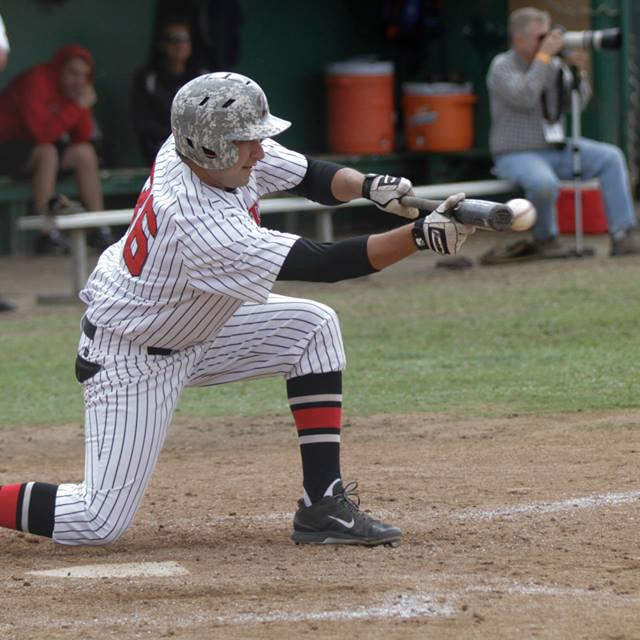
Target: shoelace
(348, 490)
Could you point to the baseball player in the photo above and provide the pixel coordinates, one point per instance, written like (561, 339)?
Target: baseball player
(184, 299)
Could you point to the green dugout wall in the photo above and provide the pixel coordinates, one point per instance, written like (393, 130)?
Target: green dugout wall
(287, 43)
(117, 32)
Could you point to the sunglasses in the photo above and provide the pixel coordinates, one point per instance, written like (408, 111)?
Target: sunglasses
(175, 38)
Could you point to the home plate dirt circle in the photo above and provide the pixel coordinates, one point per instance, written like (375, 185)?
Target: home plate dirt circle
(123, 570)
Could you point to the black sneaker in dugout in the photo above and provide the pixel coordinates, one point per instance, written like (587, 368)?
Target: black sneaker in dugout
(337, 519)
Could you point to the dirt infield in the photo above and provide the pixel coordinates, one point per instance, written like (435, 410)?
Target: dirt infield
(514, 527)
(519, 527)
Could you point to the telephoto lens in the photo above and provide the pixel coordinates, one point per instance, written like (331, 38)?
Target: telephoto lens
(602, 39)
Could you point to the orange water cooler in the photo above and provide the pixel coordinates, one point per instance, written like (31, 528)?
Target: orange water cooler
(360, 114)
(437, 118)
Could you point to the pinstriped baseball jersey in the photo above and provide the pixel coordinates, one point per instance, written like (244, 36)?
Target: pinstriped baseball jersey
(193, 253)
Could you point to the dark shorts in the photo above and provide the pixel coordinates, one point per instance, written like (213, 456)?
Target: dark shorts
(14, 157)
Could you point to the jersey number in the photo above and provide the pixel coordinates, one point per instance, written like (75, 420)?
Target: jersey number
(135, 258)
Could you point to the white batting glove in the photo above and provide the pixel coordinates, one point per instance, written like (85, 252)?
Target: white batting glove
(441, 233)
(385, 192)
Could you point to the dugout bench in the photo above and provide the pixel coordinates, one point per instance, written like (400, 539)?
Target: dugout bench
(15, 196)
(77, 224)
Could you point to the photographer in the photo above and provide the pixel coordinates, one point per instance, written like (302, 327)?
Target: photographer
(529, 89)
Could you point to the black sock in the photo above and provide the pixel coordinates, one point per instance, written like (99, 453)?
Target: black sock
(316, 404)
(28, 507)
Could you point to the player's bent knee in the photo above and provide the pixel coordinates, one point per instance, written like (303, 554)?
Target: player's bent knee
(325, 349)
(98, 537)
(330, 320)
(329, 314)
(90, 529)
(92, 519)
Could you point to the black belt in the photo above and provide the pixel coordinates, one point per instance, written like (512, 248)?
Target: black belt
(89, 330)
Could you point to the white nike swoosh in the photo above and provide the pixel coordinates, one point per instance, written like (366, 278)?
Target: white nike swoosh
(344, 523)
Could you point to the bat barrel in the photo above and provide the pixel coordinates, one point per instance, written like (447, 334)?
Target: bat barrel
(483, 213)
(501, 218)
(479, 213)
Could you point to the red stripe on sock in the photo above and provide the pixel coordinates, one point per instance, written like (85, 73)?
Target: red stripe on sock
(9, 495)
(317, 417)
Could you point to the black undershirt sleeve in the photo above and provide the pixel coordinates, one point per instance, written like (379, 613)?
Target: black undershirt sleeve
(312, 261)
(316, 184)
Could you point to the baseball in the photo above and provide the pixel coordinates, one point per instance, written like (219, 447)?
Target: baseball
(524, 214)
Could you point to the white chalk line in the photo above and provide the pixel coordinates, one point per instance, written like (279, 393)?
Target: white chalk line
(421, 604)
(541, 508)
(393, 605)
(398, 606)
(594, 501)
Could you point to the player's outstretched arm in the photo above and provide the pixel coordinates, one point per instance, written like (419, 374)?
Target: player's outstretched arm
(332, 184)
(436, 232)
(383, 190)
(321, 262)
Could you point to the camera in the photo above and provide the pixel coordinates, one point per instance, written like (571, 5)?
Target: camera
(603, 39)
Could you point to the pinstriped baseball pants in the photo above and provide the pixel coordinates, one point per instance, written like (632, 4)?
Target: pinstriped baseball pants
(130, 402)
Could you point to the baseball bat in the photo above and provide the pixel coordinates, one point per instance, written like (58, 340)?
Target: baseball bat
(483, 214)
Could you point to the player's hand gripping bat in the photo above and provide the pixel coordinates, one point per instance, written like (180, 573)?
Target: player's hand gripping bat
(482, 214)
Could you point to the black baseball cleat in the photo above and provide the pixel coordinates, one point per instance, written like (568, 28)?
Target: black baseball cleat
(337, 519)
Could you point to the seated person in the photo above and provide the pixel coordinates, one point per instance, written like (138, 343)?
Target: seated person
(155, 85)
(527, 136)
(45, 125)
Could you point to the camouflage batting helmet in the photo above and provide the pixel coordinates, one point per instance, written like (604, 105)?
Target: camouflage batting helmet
(212, 110)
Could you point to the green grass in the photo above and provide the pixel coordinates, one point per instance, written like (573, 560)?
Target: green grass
(486, 342)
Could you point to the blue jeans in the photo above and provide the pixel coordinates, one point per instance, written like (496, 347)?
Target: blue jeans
(539, 173)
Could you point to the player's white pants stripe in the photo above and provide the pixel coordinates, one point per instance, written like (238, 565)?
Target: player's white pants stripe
(130, 403)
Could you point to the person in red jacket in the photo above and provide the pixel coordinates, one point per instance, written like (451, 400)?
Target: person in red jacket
(46, 125)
